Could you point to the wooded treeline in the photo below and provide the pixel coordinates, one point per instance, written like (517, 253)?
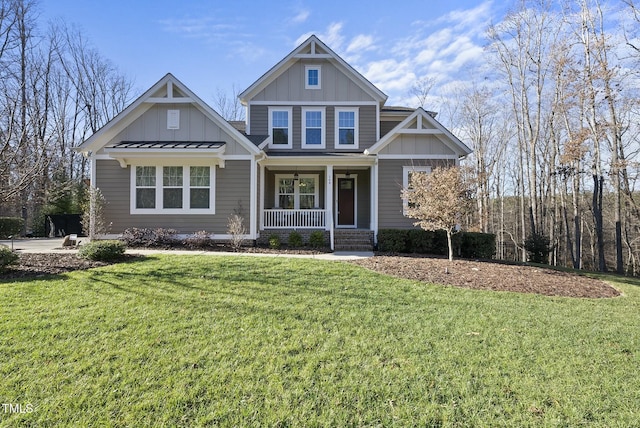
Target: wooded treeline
(555, 132)
(55, 91)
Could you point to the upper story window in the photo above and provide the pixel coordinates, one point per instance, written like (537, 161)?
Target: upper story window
(312, 77)
(313, 134)
(180, 189)
(346, 128)
(280, 127)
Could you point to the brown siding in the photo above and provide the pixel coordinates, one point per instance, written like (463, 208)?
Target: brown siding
(389, 187)
(232, 190)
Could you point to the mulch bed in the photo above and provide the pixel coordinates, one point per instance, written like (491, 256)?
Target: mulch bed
(490, 276)
(459, 273)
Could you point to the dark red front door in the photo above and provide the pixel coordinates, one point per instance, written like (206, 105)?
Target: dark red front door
(346, 201)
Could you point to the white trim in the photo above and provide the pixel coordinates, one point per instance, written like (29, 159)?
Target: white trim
(406, 169)
(289, 111)
(355, 201)
(314, 103)
(313, 56)
(311, 67)
(411, 157)
(262, 191)
(323, 128)
(374, 200)
(186, 186)
(356, 125)
(253, 200)
(296, 191)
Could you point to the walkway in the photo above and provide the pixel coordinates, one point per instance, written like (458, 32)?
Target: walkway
(54, 245)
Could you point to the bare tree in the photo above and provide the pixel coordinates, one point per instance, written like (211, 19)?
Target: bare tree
(229, 106)
(421, 88)
(437, 200)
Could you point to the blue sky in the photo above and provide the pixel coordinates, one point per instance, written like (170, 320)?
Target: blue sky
(211, 44)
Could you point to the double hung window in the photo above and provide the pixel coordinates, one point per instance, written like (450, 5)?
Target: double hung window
(346, 128)
(172, 189)
(297, 193)
(280, 127)
(313, 128)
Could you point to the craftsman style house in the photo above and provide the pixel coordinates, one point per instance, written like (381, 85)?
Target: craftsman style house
(319, 151)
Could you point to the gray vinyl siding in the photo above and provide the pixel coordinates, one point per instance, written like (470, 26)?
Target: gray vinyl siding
(335, 86)
(194, 126)
(259, 125)
(364, 199)
(232, 190)
(389, 187)
(386, 126)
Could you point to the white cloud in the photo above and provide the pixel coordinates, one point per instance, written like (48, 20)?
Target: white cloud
(361, 42)
(301, 17)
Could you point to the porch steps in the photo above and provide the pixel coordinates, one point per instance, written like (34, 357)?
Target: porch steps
(353, 240)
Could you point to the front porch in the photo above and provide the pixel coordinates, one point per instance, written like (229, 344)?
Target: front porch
(300, 195)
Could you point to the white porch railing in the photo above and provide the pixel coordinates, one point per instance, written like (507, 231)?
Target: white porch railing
(294, 219)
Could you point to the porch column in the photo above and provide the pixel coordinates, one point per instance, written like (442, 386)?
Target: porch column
(374, 200)
(261, 204)
(328, 202)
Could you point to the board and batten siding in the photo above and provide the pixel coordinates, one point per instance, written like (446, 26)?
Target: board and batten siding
(232, 192)
(366, 126)
(390, 178)
(194, 126)
(418, 145)
(335, 86)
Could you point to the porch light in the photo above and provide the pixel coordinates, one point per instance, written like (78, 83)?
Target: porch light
(296, 177)
(348, 174)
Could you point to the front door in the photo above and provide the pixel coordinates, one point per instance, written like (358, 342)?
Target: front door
(346, 202)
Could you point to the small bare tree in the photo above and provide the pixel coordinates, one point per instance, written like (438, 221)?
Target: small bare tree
(235, 228)
(437, 200)
(93, 221)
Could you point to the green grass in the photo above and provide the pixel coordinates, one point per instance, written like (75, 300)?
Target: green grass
(241, 341)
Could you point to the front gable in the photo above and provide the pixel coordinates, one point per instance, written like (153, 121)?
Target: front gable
(286, 81)
(420, 135)
(167, 112)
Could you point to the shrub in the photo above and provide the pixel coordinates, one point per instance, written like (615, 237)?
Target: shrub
(104, 251)
(143, 237)
(474, 245)
(420, 241)
(200, 239)
(274, 242)
(235, 228)
(538, 248)
(316, 239)
(10, 226)
(392, 240)
(295, 240)
(7, 257)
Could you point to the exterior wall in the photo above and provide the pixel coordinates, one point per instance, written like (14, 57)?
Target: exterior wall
(390, 178)
(259, 117)
(418, 145)
(232, 189)
(194, 126)
(387, 125)
(335, 85)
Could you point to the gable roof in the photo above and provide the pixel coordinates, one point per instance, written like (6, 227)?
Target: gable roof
(312, 48)
(426, 124)
(167, 90)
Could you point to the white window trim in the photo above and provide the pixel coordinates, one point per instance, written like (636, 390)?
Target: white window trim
(186, 186)
(289, 111)
(405, 181)
(307, 68)
(296, 191)
(356, 125)
(322, 144)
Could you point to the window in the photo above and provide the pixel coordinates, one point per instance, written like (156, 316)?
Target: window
(346, 128)
(312, 77)
(300, 194)
(280, 127)
(407, 172)
(313, 128)
(145, 187)
(173, 189)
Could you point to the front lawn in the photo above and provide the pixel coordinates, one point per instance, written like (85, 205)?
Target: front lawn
(242, 341)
